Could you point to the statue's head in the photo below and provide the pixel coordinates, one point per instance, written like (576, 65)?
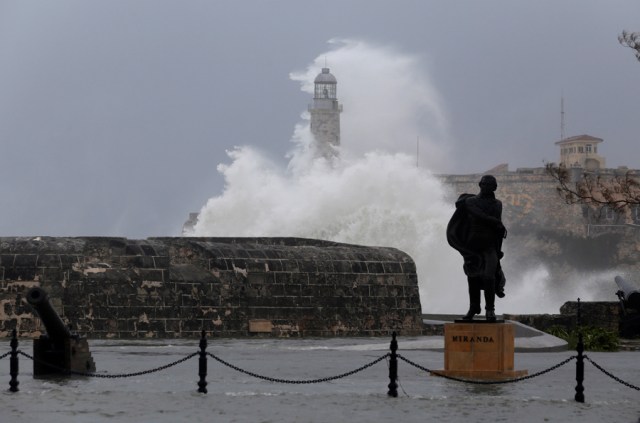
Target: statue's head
(488, 183)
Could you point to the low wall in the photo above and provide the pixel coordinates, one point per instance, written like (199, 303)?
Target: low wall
(176, 287)
(599, 314)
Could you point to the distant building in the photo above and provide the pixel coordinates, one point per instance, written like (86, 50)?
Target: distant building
(531, 197)
(581, 151)
(325, 115)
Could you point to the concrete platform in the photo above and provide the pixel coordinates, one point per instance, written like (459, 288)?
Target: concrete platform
(527, 339)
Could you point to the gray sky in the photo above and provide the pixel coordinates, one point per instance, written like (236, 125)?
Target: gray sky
(114, 114)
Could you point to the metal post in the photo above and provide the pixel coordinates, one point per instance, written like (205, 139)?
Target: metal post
(13, 362)
(393, 368)
(579, 397)
(202, 367)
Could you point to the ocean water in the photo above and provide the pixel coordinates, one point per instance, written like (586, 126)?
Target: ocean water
(171, 395)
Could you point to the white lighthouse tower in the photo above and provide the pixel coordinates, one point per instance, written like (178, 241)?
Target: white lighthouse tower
(325, 115)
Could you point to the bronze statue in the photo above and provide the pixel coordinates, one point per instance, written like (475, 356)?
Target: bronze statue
(476, 231)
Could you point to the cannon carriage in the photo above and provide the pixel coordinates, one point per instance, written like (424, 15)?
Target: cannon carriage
(59, 351)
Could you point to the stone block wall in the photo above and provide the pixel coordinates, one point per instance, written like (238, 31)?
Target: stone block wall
(176, 287)
(544, 229)
(598, 314)
(530, 200)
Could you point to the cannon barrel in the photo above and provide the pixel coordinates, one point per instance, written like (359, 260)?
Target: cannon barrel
(55, 327)
(628, 293)
(60, 350)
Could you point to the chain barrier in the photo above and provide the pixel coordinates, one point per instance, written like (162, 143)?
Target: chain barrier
(324, 379)
(109, 376)
(298, 382)
(612, 376)
(487, 382)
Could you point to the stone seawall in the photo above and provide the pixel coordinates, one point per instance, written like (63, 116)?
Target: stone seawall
(176, 287)
(598, 314)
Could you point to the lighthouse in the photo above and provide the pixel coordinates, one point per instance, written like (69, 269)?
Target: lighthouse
(325, 115)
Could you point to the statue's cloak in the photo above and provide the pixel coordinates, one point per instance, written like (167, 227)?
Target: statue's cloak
(458, 230)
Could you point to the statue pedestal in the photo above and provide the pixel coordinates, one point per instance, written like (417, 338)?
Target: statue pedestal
(479, 350)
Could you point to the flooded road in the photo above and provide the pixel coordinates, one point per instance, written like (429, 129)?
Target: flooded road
(171, 395)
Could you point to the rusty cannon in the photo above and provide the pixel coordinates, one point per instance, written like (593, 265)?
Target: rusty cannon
(627, 293)
(59, 351)
(629, 297)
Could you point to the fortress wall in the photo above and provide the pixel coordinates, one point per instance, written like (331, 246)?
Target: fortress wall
(175, 287)
(530, 201)
(568, 239)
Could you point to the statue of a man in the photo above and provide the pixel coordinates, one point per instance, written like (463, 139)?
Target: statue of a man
(476, 231)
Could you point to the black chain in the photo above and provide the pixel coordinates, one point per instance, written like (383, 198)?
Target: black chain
(298, 382)
(487, 382)
(109, 376)
(5, 355)
(617, 379)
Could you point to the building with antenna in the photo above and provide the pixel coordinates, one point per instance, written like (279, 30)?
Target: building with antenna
(581, 151)
(325, 115)
(530, 195)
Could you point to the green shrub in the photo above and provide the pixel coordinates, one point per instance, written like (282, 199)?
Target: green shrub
(594, 339)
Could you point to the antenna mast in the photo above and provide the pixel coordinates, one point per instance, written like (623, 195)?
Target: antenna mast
(561, 118)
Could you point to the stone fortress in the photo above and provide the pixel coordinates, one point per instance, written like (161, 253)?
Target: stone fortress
(176, 287)
(531, 199)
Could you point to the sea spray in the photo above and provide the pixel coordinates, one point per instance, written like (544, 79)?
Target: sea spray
(389, 102)
(375, 194)
(378, 200)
